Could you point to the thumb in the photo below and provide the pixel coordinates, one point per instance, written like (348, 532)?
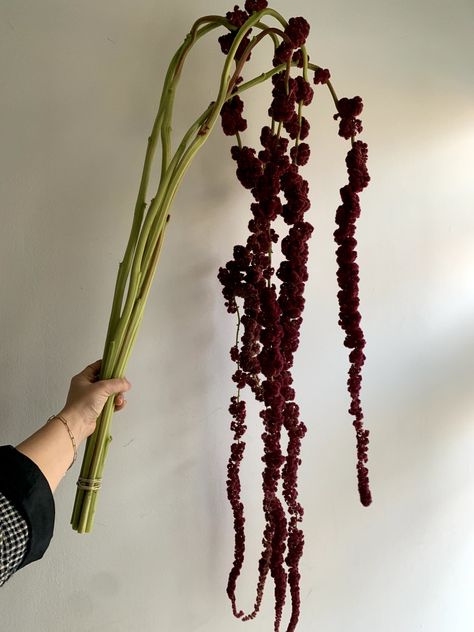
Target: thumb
(114, 386)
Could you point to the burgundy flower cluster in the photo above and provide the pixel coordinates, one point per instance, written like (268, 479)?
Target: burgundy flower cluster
(271, 321)
(348, 295)
(347, 111)
(237, 18)
(270, 315)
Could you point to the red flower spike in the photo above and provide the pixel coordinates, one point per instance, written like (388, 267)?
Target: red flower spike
(298, 31)
(321, 75)
(226, 42)
(348, 280)
(300, 154)
(231, 116)
(348, 109)
(298, 58)
(283, 54)
(237, 17)
(271, 315)
(252, 6)
(303, 92)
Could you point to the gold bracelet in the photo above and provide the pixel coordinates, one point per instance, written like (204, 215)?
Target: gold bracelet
(70, 434)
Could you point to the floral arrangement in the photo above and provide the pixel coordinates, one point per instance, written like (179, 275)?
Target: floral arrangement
(267, 302)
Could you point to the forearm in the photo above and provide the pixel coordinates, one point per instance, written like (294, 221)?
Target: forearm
(51, 448)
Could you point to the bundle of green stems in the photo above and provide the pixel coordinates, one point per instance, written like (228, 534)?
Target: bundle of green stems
(137, 269)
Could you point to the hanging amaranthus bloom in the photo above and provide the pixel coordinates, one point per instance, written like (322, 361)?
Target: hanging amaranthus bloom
(267, 301)
(272, 316)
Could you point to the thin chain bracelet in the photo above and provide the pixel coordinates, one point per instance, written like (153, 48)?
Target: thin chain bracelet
(70, 434)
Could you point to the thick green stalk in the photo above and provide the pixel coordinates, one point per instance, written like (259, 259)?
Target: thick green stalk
(90, 443)
(119, 328)
(166, 105)
(148, 252)
(162, 124)
(122, 360)
(137, 269)
(208, 123)
(189, 42)
(88, 498)
(119, 322)
(140, 206)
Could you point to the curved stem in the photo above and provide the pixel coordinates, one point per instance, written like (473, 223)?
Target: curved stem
(123, 356)
(263, 26)
(139, 262)
(248, 49)
(140, 205)
(203, 133)
(178, 155)
(120, 325)
(118, 321)
(277, 16)
(193, 36)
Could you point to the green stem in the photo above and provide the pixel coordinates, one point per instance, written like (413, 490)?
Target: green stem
(248, 49)
(138, 266)
(148, 252)
(128, 345)
(89, 497)
(140, 205)
(206, 127)
(119, 323)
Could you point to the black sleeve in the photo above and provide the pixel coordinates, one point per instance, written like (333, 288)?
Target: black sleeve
(26, 487)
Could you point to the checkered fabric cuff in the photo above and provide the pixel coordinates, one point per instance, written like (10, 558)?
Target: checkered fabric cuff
(27, 489)
(13, 539)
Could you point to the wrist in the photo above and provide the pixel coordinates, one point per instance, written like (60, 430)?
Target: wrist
(79, 428)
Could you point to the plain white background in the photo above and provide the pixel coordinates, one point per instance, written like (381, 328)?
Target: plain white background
(79, 88)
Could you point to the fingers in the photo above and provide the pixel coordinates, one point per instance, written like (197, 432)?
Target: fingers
(120, 402)
(115, 386)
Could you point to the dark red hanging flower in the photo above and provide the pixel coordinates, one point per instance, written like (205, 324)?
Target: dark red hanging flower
(348, 296)
(249, 167)
(295, 127)
(298, 58)
(303, 91)
(356, 162)
(270, 315)
(231, 116)
(348, 110)
(300, 154)
(321, 75)
(252, 6)
(237, 17)
(227, 40)
(298, 31)
(284, 98)
(283, 53)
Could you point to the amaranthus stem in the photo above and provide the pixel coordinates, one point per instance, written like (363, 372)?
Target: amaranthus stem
(123, 357)
(119, 322)
(124, 324)
(138, 266)
(124, 266)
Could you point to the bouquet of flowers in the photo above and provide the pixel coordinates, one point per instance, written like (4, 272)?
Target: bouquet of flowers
(268, 303)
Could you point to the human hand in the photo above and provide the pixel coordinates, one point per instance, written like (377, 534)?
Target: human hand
(87, 397)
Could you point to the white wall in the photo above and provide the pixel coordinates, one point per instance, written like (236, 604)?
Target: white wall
(79, 86)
